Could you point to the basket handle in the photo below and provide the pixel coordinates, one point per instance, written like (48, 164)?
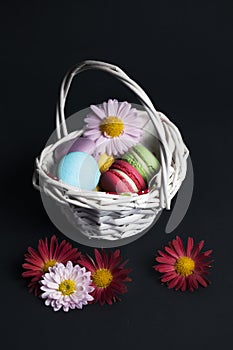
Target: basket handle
(61, 127)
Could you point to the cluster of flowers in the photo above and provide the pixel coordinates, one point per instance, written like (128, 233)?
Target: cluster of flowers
(66, 279)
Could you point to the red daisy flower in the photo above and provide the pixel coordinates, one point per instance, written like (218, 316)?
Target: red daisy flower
(184, 269)
(108, 275)
(47, 255)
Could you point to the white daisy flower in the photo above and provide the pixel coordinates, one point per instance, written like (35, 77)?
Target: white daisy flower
(66, 286)
(114, 126)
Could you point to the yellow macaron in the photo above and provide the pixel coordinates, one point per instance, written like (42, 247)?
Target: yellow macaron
(104, 162)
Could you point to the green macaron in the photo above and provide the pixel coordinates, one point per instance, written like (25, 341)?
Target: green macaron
(143, 161)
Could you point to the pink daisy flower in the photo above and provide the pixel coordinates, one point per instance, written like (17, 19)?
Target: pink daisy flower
(108, 275)
(114, 126)
(47, 255)
(184, 268)
(66, 287)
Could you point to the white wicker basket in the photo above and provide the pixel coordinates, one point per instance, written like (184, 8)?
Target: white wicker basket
(99, 215)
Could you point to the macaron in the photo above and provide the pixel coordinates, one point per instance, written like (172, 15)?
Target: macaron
(143, 161)
(80, 170)
(122, 177)
(81, 144)
(104, 162)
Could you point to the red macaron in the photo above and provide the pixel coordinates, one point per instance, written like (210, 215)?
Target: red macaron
(122, 177)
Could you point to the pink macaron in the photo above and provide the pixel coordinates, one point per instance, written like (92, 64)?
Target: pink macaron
(81, 144)
(122, 177)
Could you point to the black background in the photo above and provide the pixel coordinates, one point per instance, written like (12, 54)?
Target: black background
(181, 53)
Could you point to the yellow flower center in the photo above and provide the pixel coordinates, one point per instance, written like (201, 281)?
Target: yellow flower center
(47, 264)
(112, 126)
(102, 278)
(185, 266)
(67, 287)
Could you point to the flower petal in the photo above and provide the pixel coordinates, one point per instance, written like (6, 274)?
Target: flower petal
(111, 108)
(178, 246)
(201, 280)
(98, 258)
(180, 282)
(124, 109)
(184, 285)
(168, 276)
(98, 111)
(189, 246)
(166, 260)
(197, 249)
(171, 252)
(164, 268)
(173, 283)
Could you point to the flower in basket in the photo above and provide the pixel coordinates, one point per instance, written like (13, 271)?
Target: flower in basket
(47, 255)
(184, 268)
(114, 127)
(67, 287)
(108, 275)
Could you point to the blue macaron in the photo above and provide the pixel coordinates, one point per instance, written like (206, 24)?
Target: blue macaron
(79, 169)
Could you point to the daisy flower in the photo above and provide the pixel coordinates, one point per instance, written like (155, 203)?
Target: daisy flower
(66, 287)
(114, 126)
(108, 275)
(47, 255)
(184, 268)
